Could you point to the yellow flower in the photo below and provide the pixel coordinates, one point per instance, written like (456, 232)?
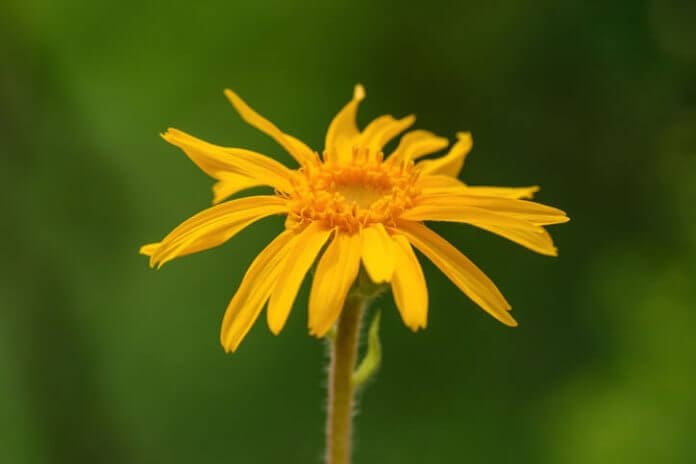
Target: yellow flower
(350, 206)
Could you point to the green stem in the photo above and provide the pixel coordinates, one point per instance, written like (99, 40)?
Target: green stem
(344, 348)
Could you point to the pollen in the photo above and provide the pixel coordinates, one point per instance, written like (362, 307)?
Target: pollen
(352, 192)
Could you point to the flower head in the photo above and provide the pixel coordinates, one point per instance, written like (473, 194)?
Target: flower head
(353, 205)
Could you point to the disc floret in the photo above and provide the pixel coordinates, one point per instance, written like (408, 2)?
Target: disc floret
(352, 193)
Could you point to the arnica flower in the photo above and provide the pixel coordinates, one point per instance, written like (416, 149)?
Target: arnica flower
(352, 205)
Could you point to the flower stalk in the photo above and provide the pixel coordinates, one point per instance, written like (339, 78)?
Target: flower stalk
(344, 351)
(359, 213)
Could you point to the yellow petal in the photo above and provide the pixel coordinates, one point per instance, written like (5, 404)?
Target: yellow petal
(215, 225)
(149, 249)
(531, 211)
(374, 127)
(451, 163)
(378, 254)
(534, 237)
(302, 254)
(441, 184)
(301, 152)
(459, 269)
(525, 233)
(506, 192)
(334, 276)
(382, 131)
(254, 291)
(215, 161)
(343, 128)
(416, 144)
(299, 146)
(231, 183)
(408, 286)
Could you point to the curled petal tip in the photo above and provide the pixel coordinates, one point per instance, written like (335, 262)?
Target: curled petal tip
(170, 134)
(509, 321)
(236, 101)
(274, 327)
(465, 136)
(359, 92)
(228, 345)
(417, 326)
(409, 119)
(149, 249)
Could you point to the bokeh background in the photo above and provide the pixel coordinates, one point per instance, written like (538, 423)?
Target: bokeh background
(104, 360)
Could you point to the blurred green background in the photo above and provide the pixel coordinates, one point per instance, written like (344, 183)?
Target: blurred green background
(104, 360)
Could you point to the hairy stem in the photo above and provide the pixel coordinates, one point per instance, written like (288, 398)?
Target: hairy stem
(344, 349)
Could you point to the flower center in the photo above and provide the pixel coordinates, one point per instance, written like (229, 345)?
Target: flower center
(360, 194)
(353, 193)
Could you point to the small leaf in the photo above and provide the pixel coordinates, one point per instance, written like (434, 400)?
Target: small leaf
(373, 357)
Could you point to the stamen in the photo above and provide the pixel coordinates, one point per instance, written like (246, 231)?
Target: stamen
(352, 193)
